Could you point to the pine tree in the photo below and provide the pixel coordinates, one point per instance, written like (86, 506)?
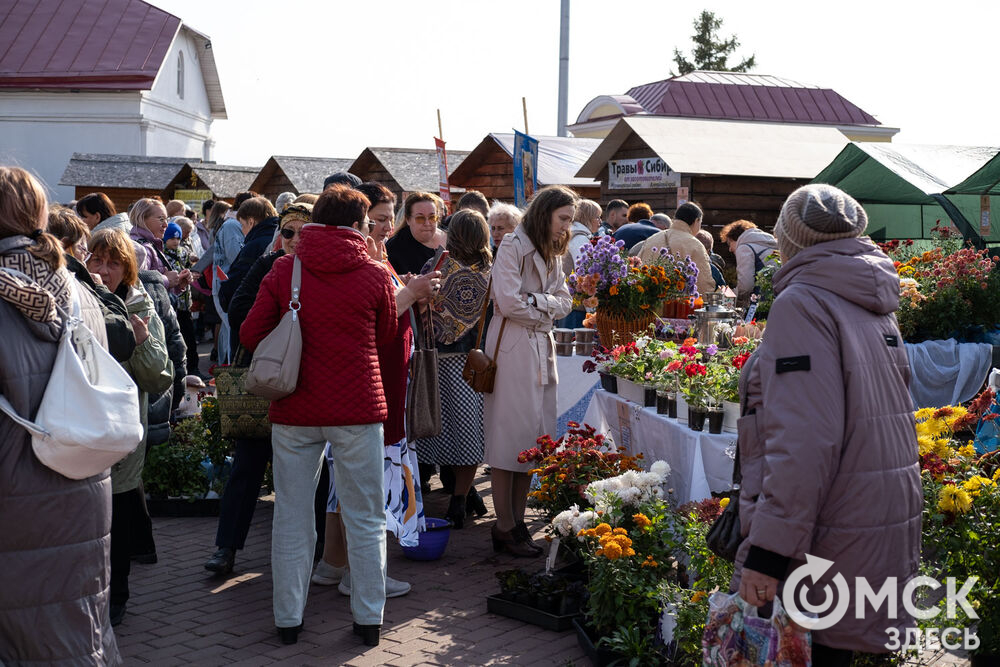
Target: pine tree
(710, 52)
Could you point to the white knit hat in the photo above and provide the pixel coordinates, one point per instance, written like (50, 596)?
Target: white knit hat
(816, 214)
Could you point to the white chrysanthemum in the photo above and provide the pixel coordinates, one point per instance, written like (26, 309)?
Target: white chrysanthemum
(628, 479)
(661, 468)
(641, 342)
(563, 522)
(629, 495)
(582, 520)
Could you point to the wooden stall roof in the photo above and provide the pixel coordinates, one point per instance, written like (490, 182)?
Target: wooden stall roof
(225, 181)
(559, 159)
(304, 174)
(725, 148)
(414, 169)
(134, 172)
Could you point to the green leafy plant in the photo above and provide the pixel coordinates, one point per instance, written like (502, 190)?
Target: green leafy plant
(174, 468)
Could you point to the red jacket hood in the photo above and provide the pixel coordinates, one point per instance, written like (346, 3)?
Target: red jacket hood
(327, 249)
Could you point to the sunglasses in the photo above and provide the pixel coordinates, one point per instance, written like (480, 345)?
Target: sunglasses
(288, 234)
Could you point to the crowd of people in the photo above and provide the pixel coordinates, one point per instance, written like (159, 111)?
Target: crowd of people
(372, 284)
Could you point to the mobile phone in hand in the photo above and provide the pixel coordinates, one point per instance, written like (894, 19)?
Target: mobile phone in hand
(440, 257)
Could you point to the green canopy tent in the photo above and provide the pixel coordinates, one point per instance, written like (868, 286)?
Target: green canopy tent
(978, 198)
(901, 186)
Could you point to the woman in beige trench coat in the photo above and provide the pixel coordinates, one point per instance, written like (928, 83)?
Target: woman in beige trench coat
(529, 292)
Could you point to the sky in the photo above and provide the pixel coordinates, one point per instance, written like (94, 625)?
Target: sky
(328, 78)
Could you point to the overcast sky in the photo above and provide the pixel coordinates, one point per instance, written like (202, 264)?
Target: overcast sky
(305, 77)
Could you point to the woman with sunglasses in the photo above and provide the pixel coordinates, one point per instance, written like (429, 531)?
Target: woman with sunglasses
(251, 456)
(418, 238)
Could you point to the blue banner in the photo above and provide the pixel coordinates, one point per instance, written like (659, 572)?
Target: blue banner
(525, 168)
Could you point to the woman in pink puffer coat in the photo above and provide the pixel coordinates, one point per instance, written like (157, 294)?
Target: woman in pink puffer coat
(828, 445)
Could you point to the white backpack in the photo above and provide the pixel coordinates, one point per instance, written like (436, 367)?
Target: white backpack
(88, 419)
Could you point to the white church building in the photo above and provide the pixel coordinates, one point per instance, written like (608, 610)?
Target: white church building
(121, 77)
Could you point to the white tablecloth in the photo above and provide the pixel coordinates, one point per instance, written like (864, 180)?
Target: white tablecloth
(700, 463)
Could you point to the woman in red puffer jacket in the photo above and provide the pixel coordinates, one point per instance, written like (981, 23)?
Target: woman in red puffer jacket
(348, 310)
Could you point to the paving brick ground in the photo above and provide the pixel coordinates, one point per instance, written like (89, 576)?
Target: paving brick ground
(180, 615)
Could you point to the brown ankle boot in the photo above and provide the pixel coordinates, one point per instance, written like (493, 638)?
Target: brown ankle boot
(506, 542)
(522, 535)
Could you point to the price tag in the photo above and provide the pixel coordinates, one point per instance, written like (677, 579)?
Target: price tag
(751, 311)
(550, 560)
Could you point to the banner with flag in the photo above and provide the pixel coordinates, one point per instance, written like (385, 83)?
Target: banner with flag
(525, 168)
(443, 186)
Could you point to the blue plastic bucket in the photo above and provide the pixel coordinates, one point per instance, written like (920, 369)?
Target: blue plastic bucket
(432, 542)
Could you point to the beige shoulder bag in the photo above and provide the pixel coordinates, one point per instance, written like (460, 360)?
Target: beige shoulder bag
(274, 371)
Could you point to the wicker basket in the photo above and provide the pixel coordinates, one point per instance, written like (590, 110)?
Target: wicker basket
(242, 415)
(619, 330)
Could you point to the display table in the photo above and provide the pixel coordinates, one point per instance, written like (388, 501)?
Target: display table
(700, 463)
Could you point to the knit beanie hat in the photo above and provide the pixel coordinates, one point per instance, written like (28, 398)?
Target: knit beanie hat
(816, 214)
(173, 231)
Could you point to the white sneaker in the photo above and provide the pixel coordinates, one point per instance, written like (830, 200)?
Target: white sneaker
(393, 587)
(328, 575)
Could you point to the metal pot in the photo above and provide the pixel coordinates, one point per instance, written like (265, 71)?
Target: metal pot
(710, 316)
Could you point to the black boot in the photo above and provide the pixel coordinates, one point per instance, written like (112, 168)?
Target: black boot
(456, 511)
(447, 476)
(289, 635)
(222, 561)
(369, 633)
(474, 503)
(522, 535)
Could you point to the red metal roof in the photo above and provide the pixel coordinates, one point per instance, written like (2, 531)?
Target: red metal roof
(748, 97)
(87, 44)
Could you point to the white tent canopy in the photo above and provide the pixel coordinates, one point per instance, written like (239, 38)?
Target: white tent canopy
(725, 148)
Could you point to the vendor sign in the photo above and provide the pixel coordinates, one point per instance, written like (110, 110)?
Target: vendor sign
(645, 173)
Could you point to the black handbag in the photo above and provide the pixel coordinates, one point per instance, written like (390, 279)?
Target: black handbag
(725, 535)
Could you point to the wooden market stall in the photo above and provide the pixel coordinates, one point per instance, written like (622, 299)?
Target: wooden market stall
(291, 173)
(732, 169)
(197, 182)
(403, 170)
(123, 178)
(489, 168)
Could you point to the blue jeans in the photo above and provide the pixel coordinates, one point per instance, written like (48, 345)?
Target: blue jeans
(358, 455)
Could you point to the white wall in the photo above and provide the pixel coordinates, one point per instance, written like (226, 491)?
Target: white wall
(178, 126)
(41, 131)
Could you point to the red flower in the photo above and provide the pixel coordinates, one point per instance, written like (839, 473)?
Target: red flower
(695, 369)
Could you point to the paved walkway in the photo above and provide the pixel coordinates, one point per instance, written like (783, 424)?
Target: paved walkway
(180, 615)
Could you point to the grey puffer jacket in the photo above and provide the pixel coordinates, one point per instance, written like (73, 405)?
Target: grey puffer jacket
(829, 452)
(54, 531)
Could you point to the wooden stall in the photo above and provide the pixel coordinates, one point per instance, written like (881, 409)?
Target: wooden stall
(404, 170)
(197, 182)
(123, 178)
(732, 169)
(489, 168)
(290, 173)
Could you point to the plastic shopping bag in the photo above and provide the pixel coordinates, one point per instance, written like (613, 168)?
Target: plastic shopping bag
(736, 635)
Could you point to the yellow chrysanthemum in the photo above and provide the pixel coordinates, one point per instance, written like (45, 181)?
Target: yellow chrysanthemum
(975, 485)
(925, 444)
(641, 520)
(968, 451)
(954, 500)
(602, 529)
(629, 552)
(619, 531)
(996, 474)
(923, 413)
(724, 503)
(698, 596)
